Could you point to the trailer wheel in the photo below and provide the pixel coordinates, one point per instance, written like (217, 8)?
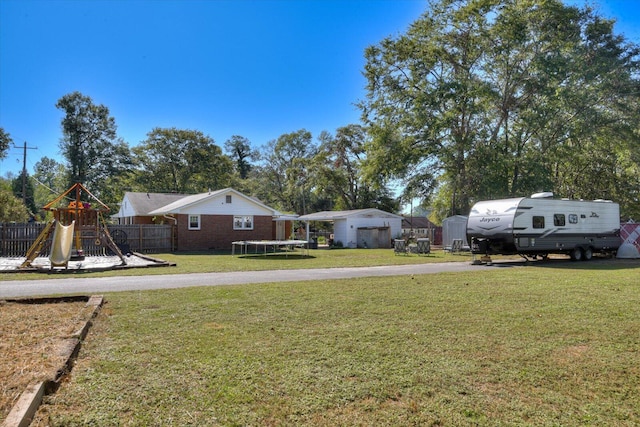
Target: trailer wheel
(587, 254)
(576, 254)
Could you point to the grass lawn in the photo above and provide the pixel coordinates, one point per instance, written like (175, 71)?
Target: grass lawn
(539, 345)
(210, 262)
(322, 258)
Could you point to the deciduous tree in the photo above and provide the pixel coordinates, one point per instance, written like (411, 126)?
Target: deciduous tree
(28, 198)
(181, 161)
(51, 180)
(89, 143)
(240, 152)
(11, 208)
(284, 172)
(497, 98)
(337, 172)
(5, 142)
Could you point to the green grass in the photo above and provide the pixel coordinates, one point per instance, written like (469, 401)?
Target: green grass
(208, 262)
(538, 346)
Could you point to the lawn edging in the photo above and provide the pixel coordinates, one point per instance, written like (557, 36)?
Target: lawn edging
(30, 400)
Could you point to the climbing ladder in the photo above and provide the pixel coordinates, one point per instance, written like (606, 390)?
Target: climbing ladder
(36, 247)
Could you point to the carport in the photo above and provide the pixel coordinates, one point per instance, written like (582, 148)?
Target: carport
(351, 227)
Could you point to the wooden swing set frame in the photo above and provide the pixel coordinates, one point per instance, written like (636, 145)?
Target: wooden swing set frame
(89, 223)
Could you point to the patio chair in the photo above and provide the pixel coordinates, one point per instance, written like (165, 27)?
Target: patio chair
(456, 246)
(399, 247)
(424, 246)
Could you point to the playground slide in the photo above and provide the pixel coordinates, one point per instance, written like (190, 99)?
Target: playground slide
(61, 244)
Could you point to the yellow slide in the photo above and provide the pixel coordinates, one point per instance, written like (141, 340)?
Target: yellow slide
(61, 245)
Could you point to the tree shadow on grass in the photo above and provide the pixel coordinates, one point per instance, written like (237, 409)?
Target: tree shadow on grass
(596, 263)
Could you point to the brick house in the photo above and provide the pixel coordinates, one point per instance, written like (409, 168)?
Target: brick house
(209, 220)
(418, 227)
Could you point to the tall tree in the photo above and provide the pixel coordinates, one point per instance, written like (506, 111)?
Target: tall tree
(240, 152)
(491, 98)
(50, 173)
(285, 171)
(51, 179)
(181, 161)
(22, 187)
(5, 142)
(337, 171)
(422, 103)
(89, 143)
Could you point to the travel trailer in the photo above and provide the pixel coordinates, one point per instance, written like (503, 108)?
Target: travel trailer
(541, 225)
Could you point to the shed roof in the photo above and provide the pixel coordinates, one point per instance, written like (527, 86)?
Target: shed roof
(356, 213)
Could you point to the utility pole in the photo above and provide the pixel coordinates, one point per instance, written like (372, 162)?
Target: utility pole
(24, 170)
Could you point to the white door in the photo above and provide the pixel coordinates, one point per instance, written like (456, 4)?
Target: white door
(280, 230)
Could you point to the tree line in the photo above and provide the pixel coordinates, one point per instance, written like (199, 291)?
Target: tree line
(479, 99)
(293, 173)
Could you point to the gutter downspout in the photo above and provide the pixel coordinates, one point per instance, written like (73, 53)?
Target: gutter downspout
(307, 222)
(174, 238)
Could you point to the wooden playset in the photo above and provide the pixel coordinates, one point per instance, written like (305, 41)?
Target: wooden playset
(72, 223)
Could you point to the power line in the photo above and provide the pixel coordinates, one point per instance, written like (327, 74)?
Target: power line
(24, 169)
(45, 185)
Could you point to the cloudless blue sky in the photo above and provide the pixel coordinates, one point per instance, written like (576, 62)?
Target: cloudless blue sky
(255, 68)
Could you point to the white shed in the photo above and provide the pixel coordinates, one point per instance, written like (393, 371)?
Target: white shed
(366, 228)
(454, 227)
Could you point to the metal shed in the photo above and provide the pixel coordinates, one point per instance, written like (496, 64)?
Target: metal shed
(454, 227)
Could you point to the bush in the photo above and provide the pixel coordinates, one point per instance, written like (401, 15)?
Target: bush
(11, 208)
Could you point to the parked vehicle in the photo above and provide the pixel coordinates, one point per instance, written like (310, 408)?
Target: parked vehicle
(541, 225)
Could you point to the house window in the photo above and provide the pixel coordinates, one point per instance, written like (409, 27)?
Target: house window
(558, 220)
(194, 222)
(242, 222)
(228, 199)
(538, 222)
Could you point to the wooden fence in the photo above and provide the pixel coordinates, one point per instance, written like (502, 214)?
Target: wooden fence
(17, 238)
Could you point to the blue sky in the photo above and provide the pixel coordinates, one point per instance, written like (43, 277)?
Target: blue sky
(255, 68)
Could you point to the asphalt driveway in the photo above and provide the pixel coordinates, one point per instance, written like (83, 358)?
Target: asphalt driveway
(88, 286)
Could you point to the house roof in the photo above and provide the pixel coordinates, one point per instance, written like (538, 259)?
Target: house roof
(356, 213)
(185, 202)
(417, 222)
(144, 203)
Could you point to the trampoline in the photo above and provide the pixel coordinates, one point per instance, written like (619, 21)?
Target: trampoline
(244, 246)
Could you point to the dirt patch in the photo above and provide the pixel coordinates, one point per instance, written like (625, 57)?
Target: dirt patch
(571, 354)
(36, 335)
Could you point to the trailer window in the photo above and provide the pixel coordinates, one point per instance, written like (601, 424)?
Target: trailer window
(558, 220)
(573, 219)
(538, 222)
